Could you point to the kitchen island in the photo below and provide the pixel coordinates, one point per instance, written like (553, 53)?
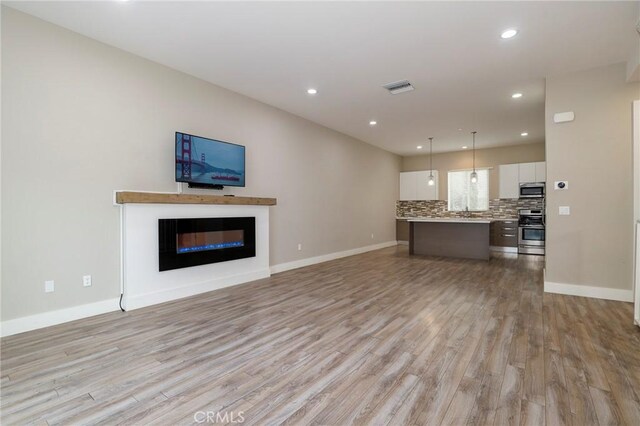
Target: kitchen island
(450, 237)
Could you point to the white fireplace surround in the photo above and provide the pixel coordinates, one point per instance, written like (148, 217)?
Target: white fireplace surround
(142, 283)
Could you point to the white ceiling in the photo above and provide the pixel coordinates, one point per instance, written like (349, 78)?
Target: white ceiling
(463, 72)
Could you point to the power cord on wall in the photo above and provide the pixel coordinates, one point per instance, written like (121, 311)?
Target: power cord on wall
(121, 308)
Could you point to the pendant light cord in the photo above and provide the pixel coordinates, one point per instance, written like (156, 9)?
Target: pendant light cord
(430, 157)
(474, 150)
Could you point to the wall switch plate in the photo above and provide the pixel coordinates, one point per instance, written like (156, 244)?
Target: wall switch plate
(564, 210)
(372, 235)
(49, 286)
(561, 185)
(299, 246)
(86, 280)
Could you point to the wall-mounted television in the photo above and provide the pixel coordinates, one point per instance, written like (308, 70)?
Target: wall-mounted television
(209, 163)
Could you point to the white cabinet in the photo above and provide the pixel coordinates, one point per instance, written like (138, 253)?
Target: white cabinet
(423, 190)
(541, 171)
(533, 172)
(408, 184)
(527, 172)
(415, 186)
(512, 175)
(509, 185)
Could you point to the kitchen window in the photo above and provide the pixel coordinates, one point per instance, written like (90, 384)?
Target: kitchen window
(463, 194)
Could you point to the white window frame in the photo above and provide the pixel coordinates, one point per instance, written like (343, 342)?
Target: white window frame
(478, 170)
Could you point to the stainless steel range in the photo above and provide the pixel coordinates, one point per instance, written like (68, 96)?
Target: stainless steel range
(531, 232)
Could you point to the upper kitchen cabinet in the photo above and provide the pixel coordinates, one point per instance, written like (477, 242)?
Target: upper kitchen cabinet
(532, 172)
(512, 175)
(541, 171)
(527, 172)
(509, 184)
(415, 186)
(408, 184)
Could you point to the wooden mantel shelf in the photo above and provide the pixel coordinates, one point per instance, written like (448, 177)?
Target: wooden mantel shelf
(127, 197)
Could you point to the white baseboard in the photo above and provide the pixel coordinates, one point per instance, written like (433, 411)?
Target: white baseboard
(588, 291)
(148, 299)
(327, 257)
(504, 249)
(403, 243)
(46, 319)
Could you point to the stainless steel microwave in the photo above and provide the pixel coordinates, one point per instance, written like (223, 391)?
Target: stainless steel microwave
(532, 190)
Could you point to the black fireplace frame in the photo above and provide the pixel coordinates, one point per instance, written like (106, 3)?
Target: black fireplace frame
(168, 229)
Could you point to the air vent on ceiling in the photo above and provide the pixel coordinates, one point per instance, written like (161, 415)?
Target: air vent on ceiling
(398, 87)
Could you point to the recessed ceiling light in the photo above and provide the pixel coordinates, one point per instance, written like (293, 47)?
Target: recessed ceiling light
(460, 129)
(373, 123)
(465, 147)
(419, 146)
(516, 95)
(312, 91)
(524, 134)
(509, 33)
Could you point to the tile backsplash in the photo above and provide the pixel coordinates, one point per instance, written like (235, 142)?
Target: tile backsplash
(499, 208)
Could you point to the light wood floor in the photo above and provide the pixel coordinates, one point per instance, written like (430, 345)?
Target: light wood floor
(379, 338)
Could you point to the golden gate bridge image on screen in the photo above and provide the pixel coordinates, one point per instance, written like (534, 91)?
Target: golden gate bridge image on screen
(195, 168)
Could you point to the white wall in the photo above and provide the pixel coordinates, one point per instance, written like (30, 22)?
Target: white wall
(80, 119)
(593, 247)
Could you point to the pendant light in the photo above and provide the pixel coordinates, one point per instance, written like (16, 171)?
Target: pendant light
(474, 175)
(431, 179)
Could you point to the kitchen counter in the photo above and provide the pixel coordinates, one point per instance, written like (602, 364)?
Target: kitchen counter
(490, 219)
(466, 238)
(449, 220)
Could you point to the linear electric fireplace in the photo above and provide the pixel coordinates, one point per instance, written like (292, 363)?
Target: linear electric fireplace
(199, 241)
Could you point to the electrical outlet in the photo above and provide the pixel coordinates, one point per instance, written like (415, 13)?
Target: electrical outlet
(299, 246)
(564, 210)
(86, 280)
(49, 286)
